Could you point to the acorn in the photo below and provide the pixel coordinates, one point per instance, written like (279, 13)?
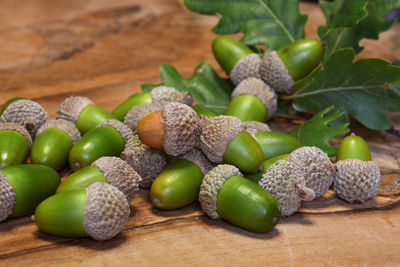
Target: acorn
(276, 143)
(175, 129)
(353, 147)
(286, 182)
(236, 59)
(83, 112)
(26, 113)
(9, 101)
(281, 68)
(316, 166)
(179, 183)
(252, 100)
(255, 126)
(136, 99)
(224, 193)
(137, 113)
(202, 110)
(15, 143)
(256, 177)
(147, 161)
(53, 142)
(223, 139)
(23, 187)
(100, 211)
(107, 139)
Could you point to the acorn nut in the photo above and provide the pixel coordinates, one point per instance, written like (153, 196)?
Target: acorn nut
(136, 99)
(276, 143)
(202, 110)
(353, 147)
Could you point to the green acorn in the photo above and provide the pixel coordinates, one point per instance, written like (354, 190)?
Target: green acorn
(225, 193)
(202, 110)
(15, 143)
(136, 113)
(83, 112)
(23, 187)
(100, 211)
(276, 143)
(280, 69)
(53, 143)
(107, 139)
(353, 147)
(9, 101)
(138, 98)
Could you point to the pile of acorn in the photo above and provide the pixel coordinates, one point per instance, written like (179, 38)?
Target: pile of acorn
(233, 164)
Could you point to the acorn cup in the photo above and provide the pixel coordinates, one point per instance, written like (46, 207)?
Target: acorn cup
(276, 143)
(179, 183)
(83, 112)
(107, 139)
(136, 113)
(236, 59)
(252, 127)
(110, 170)
(281, 68)
(252, 100)
(53, 143)
(223, 139)
(15, 143)
(9, 101)
(23, 187)
(224, 193)
(100, 211)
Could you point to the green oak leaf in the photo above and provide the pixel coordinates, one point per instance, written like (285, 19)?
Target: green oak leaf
(364, 89)
(273, 23)
(207, 88)
(320, 128)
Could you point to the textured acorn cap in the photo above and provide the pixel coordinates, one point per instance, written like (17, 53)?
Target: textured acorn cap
(122, 128)
(26, 113)
(7, 197)
(213, 181)
(356, 180)
(18, 128)
(148, 162)
(197, 157)
(120, 174)
(275, 74)
(106, 211)
(285, 181)
(217, 133)
(71, 107)
(162, 95)
(137, 112)
(64, 125)
(181, 128)
(317, 168)
(253, 127)
(246, 67)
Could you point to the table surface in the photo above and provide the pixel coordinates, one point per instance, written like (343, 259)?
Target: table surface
(105, 50)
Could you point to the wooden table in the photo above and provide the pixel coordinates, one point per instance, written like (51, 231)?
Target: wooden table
(105, 50)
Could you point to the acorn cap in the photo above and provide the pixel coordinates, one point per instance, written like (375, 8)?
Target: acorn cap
(217, 133)
(26, 113)
(120, 174)
(18, 128)
(258, 88)
(286, 182)
(246, 67)
(106, 211)
(71, 108)
(356, 180)
(136, 113)
(275, 74)
(7, 197)
(181, 128)
(212, 183)
(124, 130)
(317, 168)
(148, 162)
(253, 127)
(197, 157)
(162, 95)
(64, 125)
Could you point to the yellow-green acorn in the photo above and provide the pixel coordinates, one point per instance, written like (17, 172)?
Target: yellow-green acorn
(27, 113)
(15, 143)
(147, 161)
(280, 69)
(136, 99)
(202, 110)
(224, 193)
(53, 143)
(179, 183)
(252, 100)
(223, 139)
(107, 139)
(23, 187)
(83, 112)
(136, 113)
(100, 211)
(353, 147)
(276, 143)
